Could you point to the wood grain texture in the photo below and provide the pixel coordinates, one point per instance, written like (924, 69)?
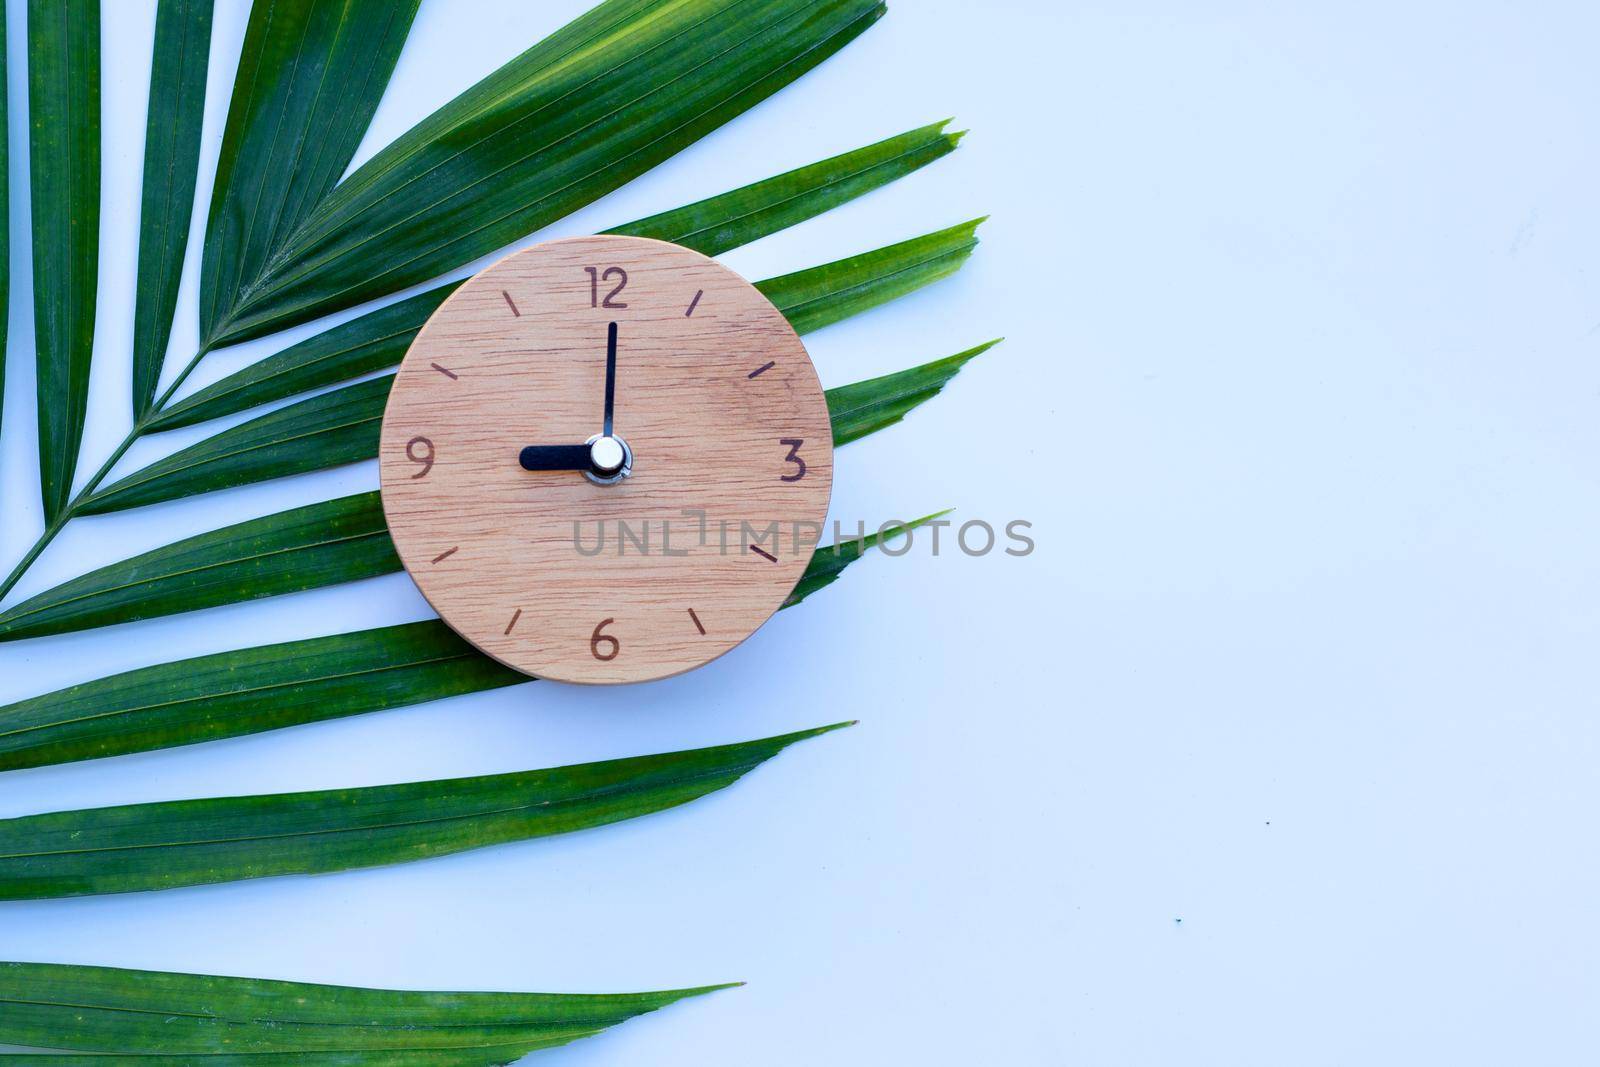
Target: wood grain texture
(527, 565)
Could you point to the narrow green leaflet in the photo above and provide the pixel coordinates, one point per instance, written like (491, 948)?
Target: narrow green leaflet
(327, 430)
(64, 160)
(473, 1056)
(171, 159)
(194, 842)
(829, 563)
(724, 222)
(867, 407)
(229, 694)
(553, 130)
(341, 426)
(5, 210)
(306, 548)
(322, 544)
(226, 1021)
(242, 692)
(377, 340)
(822, 296)
(310, 77)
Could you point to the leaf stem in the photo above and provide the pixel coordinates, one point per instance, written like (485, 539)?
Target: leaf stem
(55, 525)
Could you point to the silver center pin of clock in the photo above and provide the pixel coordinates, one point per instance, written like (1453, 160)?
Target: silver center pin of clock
(610, 459)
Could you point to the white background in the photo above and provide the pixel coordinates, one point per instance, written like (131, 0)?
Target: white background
(1280, 749)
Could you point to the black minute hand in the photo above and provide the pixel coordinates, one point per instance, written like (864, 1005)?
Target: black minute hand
(556, 458)
(611, 376)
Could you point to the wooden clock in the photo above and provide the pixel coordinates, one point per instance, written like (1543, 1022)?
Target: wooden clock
(606, 460)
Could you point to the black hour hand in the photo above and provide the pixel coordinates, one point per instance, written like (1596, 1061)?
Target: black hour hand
(556, 458)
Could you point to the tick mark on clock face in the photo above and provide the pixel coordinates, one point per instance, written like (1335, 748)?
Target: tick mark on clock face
(510, 625)
(694, 303)
(512, 304)
(446, 554)
(698, 625)
(452, 375)
(759, 371)
(758, 550)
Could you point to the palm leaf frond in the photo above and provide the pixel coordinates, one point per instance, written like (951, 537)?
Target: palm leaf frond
(309, 547)
(822, 296)
(64, 161)
(327, 430)
(171, 160)
(246, 691)
(867, 407)
(569, 120)
(231, 694)
(146, 1015)
(309, 79)
(721, 223)
(224, 839)
(826, 566)
(5, 210)
(341, 426)
(377, 340)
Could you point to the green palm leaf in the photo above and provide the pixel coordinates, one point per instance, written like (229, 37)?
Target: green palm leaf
(5, 210)
(586, 110)
(225, 1021)
(869, 406)
(472, 1056)
(171, 158)
(195, 842)
(377, 340)
(327, 430)
(822, 296)
(310, 77)
(720, 223)
(826, 567)
(242, 692)
(64, 160)
(342, 426)
(337, 541)
(569, 120)
(230, 694)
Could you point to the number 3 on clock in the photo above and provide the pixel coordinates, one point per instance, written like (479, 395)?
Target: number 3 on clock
(794, 444)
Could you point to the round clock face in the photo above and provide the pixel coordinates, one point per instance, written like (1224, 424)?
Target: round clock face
(606, 459)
